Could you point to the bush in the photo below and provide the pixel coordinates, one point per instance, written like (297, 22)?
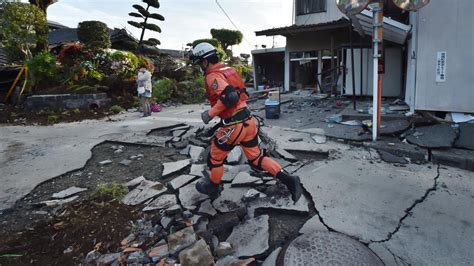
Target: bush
(143, 60)
(191, 91)
(116, 109)
(53, 118)
(162, 90)
(94, 35)
(243, 69)
(125, 64)
(43, 69)
(71, 54)
(113, 190)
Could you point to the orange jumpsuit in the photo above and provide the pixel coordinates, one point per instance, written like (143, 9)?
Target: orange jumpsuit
(217, 78)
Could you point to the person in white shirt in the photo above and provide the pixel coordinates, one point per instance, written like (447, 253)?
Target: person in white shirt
(144, 89)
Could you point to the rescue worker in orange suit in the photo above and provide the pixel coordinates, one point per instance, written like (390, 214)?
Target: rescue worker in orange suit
(226, 92)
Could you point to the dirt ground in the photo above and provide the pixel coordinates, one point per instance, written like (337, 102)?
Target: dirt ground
(67, 238)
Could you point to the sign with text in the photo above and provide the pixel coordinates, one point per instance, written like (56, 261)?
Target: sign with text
(441, 67)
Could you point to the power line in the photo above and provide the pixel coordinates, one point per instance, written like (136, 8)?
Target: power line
(225, 13)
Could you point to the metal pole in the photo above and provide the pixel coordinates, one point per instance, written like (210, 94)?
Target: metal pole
(352, 66)
(381, 66)
(375, 96)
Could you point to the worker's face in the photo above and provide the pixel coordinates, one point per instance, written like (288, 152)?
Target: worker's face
(204, 64)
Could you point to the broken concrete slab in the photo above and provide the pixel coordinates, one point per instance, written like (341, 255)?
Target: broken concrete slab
(459, 158)
(224, 249)
(189, 196)
(135, 182)
(162, 202)
(197, 255)
(313, 224)
(364, 202)
(107, 259)
(350, 133)
(391, 158)
(436, 136)
(400, 149)
(271, 260)
(286, 155)
(181, 181)
(230, 199)
(231, 171)
(195, 152)
(252, 194)
(68, 192)
(282, 204)
(201, 226)
(235, 155)
(181, 240)
(183, 127)
(159, 251)
(466, 139)
(207, 209)
(51, 203)
(319, 139)
(143, 192)
(441, 215)
(294, 167)
(232, 261)
(173, 167)
(223, 222)
(178, 133)
(244, 179)
(197, 170)
(250, 238)
(166, 222)
(394, 127)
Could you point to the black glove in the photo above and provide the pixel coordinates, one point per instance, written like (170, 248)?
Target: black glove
(206, 118)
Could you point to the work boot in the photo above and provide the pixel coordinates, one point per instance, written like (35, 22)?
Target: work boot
(292, 183)
(206, 186)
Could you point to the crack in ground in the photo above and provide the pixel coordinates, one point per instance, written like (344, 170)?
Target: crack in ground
(313, 205)
(408, 211)
(397, 258)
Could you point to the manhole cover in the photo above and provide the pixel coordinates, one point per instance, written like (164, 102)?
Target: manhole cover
(328, 248)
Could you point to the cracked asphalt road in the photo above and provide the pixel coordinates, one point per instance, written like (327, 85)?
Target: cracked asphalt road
(416, 214)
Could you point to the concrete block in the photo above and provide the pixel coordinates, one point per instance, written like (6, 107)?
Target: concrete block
(463, 159)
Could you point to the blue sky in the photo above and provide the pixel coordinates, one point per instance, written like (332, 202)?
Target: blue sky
(185, 20)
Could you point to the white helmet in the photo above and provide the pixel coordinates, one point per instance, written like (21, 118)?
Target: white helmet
(201, 51)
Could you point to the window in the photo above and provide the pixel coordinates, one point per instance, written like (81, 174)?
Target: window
(310, 6)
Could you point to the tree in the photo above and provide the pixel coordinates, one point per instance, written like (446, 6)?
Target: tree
(145, 14)
(227, 37)
(42, 46)
(43, 4)
(20, 24)
(94, 35)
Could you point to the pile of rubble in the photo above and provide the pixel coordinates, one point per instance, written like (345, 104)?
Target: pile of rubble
(181, 225)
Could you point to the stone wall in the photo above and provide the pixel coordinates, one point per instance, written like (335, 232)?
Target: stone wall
(67, 101)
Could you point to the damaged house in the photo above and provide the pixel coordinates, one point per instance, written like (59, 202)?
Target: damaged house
(430, 73)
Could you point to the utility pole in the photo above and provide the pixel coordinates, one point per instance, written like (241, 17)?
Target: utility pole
(377, 68)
